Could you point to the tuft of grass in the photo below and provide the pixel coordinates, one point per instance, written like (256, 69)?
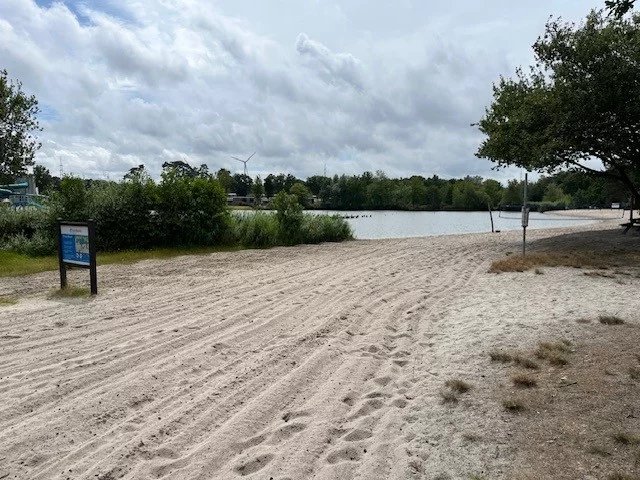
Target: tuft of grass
(525, 362)
(621, 476)
(500, 356)
(538, 271)
(70, 292)
(513, 405)
(458, 386)
(554, 352)
(524, 380)
(610, 320)
(6, 301)
(600, 451)
(448, 396)
(625, 438)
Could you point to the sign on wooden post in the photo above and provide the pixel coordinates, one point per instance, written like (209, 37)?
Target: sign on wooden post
(76, 249)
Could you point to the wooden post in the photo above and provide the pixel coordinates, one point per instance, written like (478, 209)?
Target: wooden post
(93, 268)
(62, 266)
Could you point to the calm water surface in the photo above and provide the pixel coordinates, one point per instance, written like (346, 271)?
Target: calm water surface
(394, 224)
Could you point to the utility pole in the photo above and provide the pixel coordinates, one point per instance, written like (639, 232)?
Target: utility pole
(525, 217)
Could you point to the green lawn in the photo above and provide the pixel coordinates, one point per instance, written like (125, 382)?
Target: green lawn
(14, 264)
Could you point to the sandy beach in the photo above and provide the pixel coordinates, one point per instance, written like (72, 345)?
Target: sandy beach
(323, 362)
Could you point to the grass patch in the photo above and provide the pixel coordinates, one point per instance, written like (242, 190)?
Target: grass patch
(458, 386)
(610, 320)
(517, 358)
(513, 405)
(625, 438)
(577, 259)
(524, 380)
(599, 451)
(500, 356)
(448, 396)
(622, 476)
(554, 352)
(6, 301)
(525, 362)
(70, 292)
(15, 264)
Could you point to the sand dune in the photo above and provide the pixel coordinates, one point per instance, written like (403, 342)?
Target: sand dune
(319, 362)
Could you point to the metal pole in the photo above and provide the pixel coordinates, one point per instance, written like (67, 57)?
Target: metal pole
(525, 217)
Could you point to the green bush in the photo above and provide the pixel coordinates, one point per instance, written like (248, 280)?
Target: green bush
(39, 244)
(325, 228)
(290, 217)
(259, 230)
(21, 222)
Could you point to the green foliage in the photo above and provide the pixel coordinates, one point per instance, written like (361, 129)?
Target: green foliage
(325, 228)
(259, 230)
(302, 193)
(578, 102)
(289, 215)
(18, 125)
(20, 222)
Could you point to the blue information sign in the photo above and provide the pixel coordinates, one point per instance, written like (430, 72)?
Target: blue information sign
(75, 244)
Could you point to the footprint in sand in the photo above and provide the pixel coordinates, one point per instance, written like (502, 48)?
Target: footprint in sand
(383, 381)
(286, 432)
(369, 406)
(348, 454)
(358, 434)
(401, 363)
(252, 466)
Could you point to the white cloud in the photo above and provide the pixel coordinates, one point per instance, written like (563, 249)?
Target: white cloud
(393, 88)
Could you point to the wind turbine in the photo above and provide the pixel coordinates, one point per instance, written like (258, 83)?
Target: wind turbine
(244, 161)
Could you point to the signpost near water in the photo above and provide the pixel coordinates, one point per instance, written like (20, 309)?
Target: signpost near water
(525, 217)
(76, 249)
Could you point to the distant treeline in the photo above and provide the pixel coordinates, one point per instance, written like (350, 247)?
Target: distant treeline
(570, 189)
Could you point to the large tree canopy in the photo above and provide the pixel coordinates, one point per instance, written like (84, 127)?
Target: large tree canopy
(579, 102)
(18, 125)
(619, 8)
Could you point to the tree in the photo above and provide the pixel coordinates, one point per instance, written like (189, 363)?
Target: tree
(302, 193)
(43, 178)
(226, 180)
(257, 190)
(137, 174)
(618, 8)
(580, 101)
(242, 184)
(18, 127)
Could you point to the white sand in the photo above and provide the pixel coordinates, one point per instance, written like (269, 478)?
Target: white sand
(293, 363)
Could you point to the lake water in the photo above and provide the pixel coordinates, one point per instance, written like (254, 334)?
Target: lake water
(394, 224)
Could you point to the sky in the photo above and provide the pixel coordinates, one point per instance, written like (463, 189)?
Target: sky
(347, 86)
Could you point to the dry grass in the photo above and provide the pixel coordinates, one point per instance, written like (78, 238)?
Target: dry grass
(70, 292)
(524, 380)
(599, 451)
(525, 362)
(622, 476)
(626, 438)
(513, 405)
(610, 320)
(575, 259)
(448, 396)
(6, 301)
(500, 356)
(554, 352)
(458, 386)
